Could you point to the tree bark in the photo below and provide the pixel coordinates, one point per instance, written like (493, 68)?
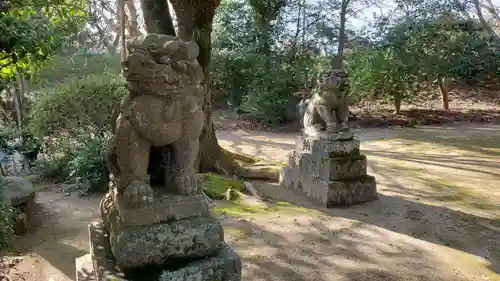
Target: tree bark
(133, 24)
(397, 104)
(17, 95)
(121, 15)
(342, 33)
(444, 93)
(195, 18)
(483, 22)
(157, 17)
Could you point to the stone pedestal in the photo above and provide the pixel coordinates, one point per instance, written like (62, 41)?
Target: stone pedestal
(174, 239)
(333, 172)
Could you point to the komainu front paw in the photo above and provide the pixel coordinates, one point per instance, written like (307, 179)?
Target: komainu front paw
(187, 185)
(138, 194)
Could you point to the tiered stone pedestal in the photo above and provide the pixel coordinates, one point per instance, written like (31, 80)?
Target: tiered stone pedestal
(333, 172)
(174, 239)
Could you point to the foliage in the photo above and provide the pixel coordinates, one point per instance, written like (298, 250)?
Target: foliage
(7, 137)
(74, 118)
(267, 51)
(88, 166)
(443, 46)
(261, 85)
(55, 169)
(78, 106)
(81, 64)
(376, 74)
(33, 31)
(414, 53)
(6, 225)
(83, 164)
(218, 187)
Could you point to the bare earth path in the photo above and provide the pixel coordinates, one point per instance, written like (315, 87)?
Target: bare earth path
(438, 217)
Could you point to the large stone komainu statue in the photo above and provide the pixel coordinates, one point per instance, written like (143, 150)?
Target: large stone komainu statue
(163, 107)
(158, 228)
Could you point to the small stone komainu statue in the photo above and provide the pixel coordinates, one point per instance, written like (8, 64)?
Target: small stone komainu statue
(326, 113)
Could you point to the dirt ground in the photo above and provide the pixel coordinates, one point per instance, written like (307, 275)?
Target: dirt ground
(437, 218)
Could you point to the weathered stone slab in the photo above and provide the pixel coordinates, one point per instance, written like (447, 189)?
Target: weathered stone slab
(341, 167)
(292, 159)
(287, 174)
(340, 192)
(104, 263)
(352, 191)
(225, 265)
(84, 268)
(161, 242)
(327, 148)
(165, 207)
(17, 189)
(331, 136)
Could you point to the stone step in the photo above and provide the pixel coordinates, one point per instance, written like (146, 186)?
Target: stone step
(351, 191)
(325, 168)
(340, 192)
(85, 268)
(159, 243)
(99, 265)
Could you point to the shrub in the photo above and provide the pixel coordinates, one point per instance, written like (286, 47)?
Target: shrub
(88, 166)
(263, 87)
(78, 106)
(55, 169)
(6, 226)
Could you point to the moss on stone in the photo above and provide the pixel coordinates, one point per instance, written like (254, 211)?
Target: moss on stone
(346, 158)
(239, 208)
(219, 187)
(355, 152)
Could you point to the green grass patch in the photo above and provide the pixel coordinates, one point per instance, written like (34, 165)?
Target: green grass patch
(234, 232)
(219, 187)
(240, 209)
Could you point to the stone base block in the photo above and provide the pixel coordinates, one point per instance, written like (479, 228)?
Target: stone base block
(85, 268)
(332, 172)
(224, 265)
(165, 207)
(340, 192)
(160, 243)
(327, 148)
(351, 191)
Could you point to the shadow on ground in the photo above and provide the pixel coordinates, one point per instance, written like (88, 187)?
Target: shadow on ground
(390, 239)
(58, 237)
(437, 218)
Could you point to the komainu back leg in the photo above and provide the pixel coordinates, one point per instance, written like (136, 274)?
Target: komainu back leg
(181, 177)
(326, 114)
(342, 115)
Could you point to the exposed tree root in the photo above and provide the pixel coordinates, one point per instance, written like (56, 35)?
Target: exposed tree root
(243, 166)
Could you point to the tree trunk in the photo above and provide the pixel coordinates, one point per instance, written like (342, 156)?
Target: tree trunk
(482, 20)
(121, 15)
(444, 93)
(157, 17)
(397, 104)
(342, 35)
(195, 19)
(133, 25)
(17, 95)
